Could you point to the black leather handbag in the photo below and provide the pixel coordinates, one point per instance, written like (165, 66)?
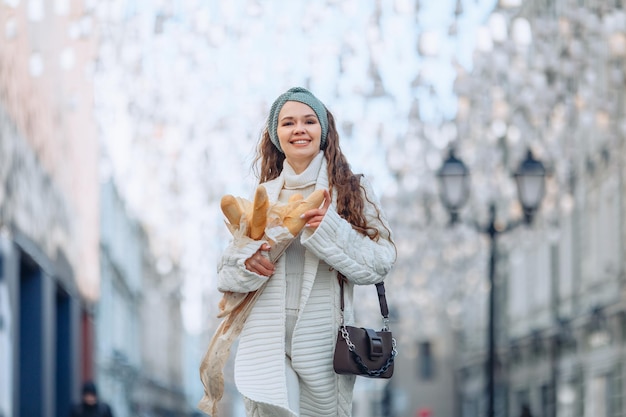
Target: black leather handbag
(365, 352)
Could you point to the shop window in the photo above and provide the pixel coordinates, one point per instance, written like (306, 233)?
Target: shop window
(615, 392)
(64, 356)
(547, 400)
(522, 398)
(31, 339)
(426, 361)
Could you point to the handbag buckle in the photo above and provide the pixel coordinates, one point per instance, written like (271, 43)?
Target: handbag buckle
(375, 343)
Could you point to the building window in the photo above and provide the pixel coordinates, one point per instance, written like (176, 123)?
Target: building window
(522, 399)
(426, 361)
(470, 407)
(547, 400)
(615, 390)
(580, 397)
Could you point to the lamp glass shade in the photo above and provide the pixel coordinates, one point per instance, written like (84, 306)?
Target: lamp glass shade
(454, 183)
(530, 178)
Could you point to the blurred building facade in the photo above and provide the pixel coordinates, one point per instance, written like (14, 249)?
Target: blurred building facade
(48, 208)
(138, 320)
(118, 318)
(80, 295)
(552, 78)
(161, 389)
(549, 76)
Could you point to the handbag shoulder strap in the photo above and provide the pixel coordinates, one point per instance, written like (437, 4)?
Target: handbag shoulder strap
(380, 290)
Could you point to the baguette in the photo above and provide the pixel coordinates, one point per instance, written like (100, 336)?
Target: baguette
(281, 210)
(295, 197)
(292, 220)
(258, 220)
(231, 209)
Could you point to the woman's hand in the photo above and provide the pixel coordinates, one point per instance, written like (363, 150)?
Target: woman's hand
(314, 217)
(259, 264)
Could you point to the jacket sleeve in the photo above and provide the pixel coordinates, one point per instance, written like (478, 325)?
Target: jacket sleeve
(231, 270)
(361, 259)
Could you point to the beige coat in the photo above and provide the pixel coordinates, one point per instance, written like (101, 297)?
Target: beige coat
(259, 364)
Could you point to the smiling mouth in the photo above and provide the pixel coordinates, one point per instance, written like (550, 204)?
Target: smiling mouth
(300, 142)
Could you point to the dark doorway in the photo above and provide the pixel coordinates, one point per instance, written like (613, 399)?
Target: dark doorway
(31, 339)
(64, 354)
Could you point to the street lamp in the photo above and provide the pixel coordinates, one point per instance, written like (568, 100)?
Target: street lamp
(530, 178)
(454, 184)
(454, 190)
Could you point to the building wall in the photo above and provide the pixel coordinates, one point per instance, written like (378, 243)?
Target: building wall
(570, 348)
(138, 320)
(160, 389)
(47, 103)
(118, 318)
(48, 205)
(561, 289)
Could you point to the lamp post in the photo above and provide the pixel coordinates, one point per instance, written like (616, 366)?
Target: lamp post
(454, 192)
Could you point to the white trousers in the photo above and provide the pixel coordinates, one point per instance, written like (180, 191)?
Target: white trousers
(293, 387)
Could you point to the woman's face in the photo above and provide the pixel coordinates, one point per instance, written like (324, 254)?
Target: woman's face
(299, 133)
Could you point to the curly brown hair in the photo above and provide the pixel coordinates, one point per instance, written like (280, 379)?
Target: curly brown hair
(350, 201)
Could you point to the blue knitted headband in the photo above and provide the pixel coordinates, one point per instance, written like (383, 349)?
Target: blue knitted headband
(303, 96)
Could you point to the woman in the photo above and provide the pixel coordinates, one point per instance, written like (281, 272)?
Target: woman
(284, 359)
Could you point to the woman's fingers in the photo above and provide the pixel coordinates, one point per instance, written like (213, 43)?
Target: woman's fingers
(326, 200)
(259, 264)
(315, 216)
(265, 269)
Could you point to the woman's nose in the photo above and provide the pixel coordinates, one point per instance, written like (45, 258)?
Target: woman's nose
(299, 127)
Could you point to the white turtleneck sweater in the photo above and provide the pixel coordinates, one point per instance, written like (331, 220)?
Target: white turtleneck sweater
(304, 184)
